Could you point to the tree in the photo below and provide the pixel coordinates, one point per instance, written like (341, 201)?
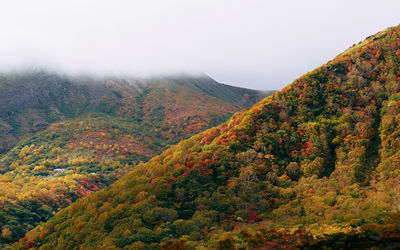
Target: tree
(6, 234)
(293, 170)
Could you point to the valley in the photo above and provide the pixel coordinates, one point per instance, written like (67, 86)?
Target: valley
(65, 137)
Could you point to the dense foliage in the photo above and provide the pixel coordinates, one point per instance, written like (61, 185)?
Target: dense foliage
(119, 125)
(319, 157)
(31, 101)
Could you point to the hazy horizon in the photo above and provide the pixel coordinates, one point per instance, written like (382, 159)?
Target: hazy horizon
(254, 44)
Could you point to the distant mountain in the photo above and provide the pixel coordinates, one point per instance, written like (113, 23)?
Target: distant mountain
(314, 166)
(64, 136)
(31, 101)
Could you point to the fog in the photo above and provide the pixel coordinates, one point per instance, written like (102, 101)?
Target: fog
(257, 44)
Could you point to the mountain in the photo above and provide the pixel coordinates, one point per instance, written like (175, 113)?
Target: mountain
(79, 134)
(31, 101)
(314, 165)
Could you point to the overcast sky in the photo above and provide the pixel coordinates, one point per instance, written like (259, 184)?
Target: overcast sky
(258, 44)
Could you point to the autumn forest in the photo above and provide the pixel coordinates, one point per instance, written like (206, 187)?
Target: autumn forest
(184, 162)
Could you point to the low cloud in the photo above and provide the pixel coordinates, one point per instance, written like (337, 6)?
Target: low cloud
(255, 44)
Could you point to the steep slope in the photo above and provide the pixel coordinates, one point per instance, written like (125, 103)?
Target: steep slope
(319, 157)
(92, 131)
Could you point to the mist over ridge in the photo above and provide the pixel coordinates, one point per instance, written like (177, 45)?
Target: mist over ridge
(259, 44)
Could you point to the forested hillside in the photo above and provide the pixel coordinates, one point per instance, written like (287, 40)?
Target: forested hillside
(80, 134)
(319, 157)
(31, 101)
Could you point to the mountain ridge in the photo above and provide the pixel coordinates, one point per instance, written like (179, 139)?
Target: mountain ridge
(46, 97)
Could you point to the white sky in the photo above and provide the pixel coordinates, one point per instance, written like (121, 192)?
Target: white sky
(251, 43)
